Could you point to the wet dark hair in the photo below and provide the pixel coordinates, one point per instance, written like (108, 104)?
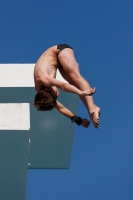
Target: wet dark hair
(45, 101)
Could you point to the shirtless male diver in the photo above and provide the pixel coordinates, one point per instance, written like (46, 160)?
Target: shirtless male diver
(62, 57)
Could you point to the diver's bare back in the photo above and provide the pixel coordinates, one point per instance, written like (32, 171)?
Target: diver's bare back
(45, 66)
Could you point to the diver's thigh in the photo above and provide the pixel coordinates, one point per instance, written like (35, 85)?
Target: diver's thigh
(68, 61)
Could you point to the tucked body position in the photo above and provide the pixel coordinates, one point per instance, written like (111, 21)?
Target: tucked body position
(62, 57)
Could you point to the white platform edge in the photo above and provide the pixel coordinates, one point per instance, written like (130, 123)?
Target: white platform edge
(14, 116)
(19, 75)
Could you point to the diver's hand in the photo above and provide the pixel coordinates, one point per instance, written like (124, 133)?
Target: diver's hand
(85, 123)
(89, 92)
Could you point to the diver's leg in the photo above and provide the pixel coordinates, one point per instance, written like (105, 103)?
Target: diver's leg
(69, 64)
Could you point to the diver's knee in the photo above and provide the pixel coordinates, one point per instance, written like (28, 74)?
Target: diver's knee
(75, 78)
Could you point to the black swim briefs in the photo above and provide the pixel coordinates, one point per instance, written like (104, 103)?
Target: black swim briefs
(60, 47)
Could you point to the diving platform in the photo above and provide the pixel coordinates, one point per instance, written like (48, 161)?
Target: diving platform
(51, 134)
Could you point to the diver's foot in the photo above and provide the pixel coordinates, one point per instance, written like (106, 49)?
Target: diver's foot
(95, 115)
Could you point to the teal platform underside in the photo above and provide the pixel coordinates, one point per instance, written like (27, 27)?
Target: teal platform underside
(51, 133)
(13, 164)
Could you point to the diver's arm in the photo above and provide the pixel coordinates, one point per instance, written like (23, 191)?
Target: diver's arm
(49, 82)
(78, 120)
(63, 110)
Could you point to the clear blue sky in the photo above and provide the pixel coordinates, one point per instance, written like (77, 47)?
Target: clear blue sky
(101, 34)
